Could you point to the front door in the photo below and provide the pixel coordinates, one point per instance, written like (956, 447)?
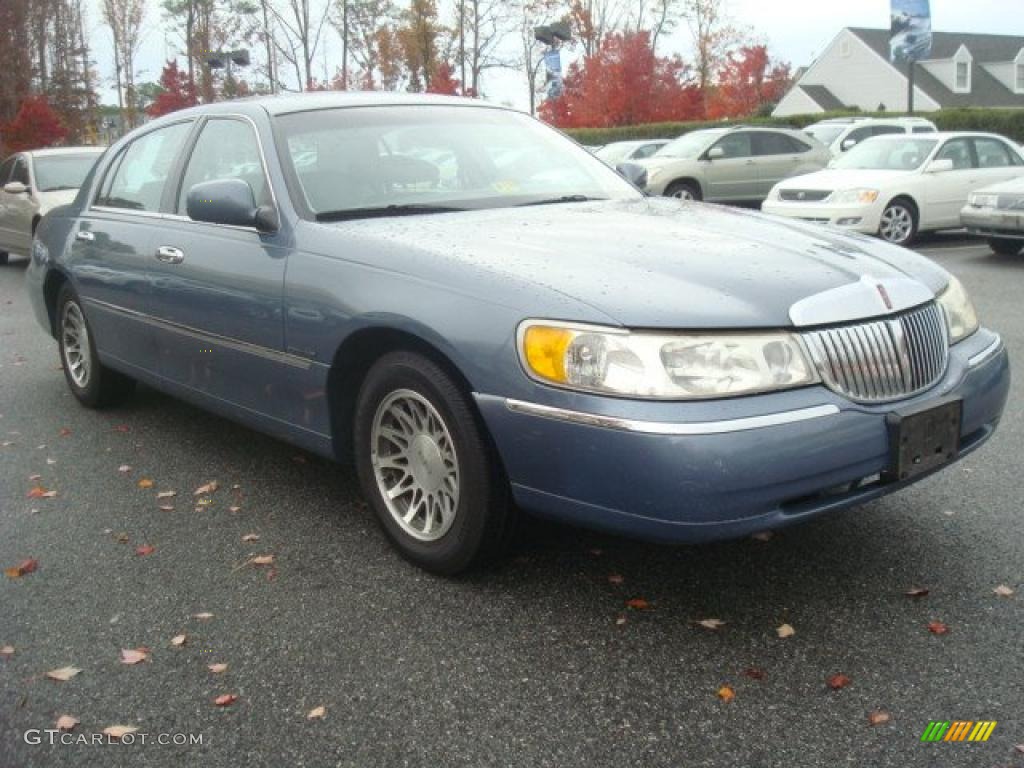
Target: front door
(777, 159)
(17, 210)
(734, 175)
(947, 192)
(218, 289)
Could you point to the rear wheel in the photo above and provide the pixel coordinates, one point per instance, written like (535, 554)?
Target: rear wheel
(899, 222)
(90, 381)
(1005, 247)
(684, 190)
(426, 466)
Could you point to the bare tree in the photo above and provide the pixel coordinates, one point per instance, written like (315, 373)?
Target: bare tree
(124, 17)
(656, 17)
(341, 20)
(482, 26)
(301, 28)
(593, 20)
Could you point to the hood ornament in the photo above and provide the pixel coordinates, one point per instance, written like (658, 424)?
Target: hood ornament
(866, 298)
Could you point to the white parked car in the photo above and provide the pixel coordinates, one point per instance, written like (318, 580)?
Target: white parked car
(627, 151)
(31, 183)
(841, 134)
(997, 212)
(898, 186)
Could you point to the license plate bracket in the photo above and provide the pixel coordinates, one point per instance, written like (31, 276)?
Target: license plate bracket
(923, 439)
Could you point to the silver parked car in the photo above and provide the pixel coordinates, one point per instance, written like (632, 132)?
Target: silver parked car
(31, 183)
(629, 151)
(997, 212)
(735, 164)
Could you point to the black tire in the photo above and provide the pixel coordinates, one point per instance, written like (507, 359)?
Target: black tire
(3, 257)
(899, 222)
(101, 386)
(1005, 247)
(684, 190)
(483, 520)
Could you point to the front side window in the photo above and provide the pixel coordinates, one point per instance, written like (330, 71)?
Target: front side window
(226, 149)
(887, 155)
(137, 178)
(59, 172)
(690, 145)
(382, 161)
(735, 145)
(20, 172)
(646, 151)
(826, 133)
(992, 153)
(959, 151)
(5, 170)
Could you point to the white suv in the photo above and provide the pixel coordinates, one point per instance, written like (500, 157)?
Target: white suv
(843, 133)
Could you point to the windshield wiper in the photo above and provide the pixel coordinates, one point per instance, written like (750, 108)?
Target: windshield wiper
(563, 199)
(406, 209)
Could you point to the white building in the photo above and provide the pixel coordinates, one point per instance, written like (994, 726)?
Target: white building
(963, 71)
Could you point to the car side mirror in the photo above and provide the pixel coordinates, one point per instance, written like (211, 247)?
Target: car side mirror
(940, 166)
(634, 173)
(716, 153)
(229, 202)
(15, 188)
(849, 144)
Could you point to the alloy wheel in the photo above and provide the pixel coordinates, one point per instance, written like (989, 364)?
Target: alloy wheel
(75, 344)
(415, 464)
(897, 224)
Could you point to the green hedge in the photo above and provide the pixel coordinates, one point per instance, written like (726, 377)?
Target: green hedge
(1008, 122)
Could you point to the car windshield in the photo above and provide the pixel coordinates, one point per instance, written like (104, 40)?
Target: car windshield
(689, 145)
(381, 161)
(825, 133)
(615, 153)
(58, 172)
(887, 155)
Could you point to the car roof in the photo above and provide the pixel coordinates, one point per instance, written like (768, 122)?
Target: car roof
(939, 135)
(858, 120)
(54, 151)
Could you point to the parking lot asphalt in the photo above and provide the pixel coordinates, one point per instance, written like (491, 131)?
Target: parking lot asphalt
(536, 661)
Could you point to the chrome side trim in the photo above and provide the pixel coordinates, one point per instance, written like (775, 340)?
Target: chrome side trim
(207, 338)
(987, 353)
(672, 428)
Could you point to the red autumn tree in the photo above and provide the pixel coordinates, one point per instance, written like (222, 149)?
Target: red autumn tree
(176, 92)
(444, 81)
(624, 83)
(35, 125)
(748, 82)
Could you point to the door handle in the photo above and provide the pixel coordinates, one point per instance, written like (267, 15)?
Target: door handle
(85, 235)
(170, 255)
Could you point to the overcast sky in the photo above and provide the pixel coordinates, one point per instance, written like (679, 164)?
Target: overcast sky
(795, 30)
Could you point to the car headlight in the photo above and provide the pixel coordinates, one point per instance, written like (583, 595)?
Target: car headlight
(862, 196)
(662, 366)
(983, 201)
(960, 315)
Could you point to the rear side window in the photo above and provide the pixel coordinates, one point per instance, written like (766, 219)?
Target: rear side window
(923, 129)
(646, 151)
(137, 178)
(226, 149)
(992, 153)
(882, 130)
(767, 143)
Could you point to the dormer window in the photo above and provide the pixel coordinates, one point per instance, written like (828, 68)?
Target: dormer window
(1018, 70)
(962, 70)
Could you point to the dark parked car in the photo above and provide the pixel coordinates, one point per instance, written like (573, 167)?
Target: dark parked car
(485, 337)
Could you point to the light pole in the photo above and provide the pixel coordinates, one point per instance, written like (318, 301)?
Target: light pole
(551, 35)
(224, 60)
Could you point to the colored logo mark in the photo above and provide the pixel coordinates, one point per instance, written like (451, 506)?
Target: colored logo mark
(958, 730)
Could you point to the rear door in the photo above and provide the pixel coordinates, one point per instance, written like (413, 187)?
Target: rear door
(996, 162)
(734, 176)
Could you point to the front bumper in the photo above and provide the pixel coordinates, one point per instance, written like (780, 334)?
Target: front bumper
(715, 470)
(990, 222)
(853, 218)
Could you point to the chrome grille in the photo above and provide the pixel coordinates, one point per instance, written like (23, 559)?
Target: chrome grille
(883, 359)
(803, 195)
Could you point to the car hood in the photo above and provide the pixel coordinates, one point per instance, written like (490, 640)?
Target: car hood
(837, 178)
(646, 263)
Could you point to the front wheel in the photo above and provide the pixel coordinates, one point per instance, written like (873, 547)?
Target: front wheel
(426, 466)
(90, 381)
(899, 223)
(683, 190)
(1005, 247)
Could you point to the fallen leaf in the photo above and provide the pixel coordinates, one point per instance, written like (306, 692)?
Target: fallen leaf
(754, 673)
(6, 444)
(316, 713)
(763, 536)
(202, 616)
(713, 624)
(64, 432)
(234, 509)
(119, 731)
(51, 462)
(916, 592)
(145, 549)
(217, 668)
(178, 640)
(837, 682)
(615, 578)
(7, 650)
(122, 538)
(938, 628)
(26, 566)
(124, 468)
(638, 604)
(166, 508)
(202, 490)
(620, 620)
(34, 478)
(786, 630)
(1020, 748)
(250, 537)
(40, 493)
(596, 552)
(878, 717)
(261, 560)
(145, 483)
(1003, 591)
(726, 693)
(225, 700)
(122, 428)
(66, 723)
(134, 655)
(166, 494)
(63, 674)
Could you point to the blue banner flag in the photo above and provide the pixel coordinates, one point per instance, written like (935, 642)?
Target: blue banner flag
(911, 31)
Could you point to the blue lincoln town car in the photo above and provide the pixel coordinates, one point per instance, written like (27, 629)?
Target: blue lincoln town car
(486, 318)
